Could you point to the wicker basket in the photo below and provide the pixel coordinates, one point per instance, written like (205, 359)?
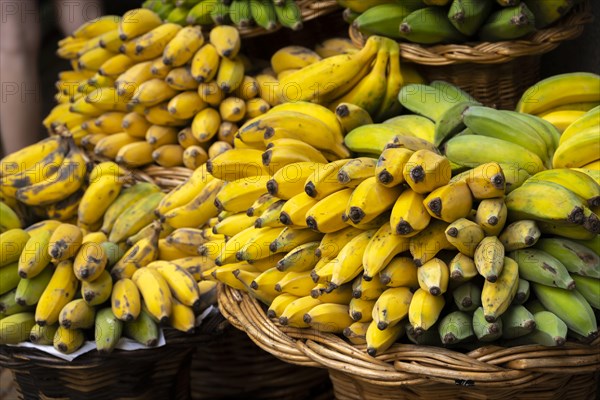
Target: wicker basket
(497, 73)
(158, 373)
(227, 365)
(420, 372)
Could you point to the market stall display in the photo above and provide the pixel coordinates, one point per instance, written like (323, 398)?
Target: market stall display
(348, 215)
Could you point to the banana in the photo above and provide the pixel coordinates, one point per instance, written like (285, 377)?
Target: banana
(230, 74)
(378, 340)
(239, 195)
(60, 290)
(152, 92)
(470, 151)
(29, 291)
(135, 125)
(28, 156)
(159, 115)
(186, 239)
(155, 291)
(205, 124)
(183, 46)
(391, 307)
(517, 321)
(183, 285)
(577, 151)
(108, 330)
(491, 216)
(110, 146)
(321, 78)
(465, 235)
(570, 306)
(186, 104)
(489, 258)
(226, 40)
(42, 335)
(89, 262)
(468, 15)
(361, 310)
(409, 215)
(294, 210)
(296, 283)
(234, 224)
(239, 13)
(588, 120)
(232, 109)
(462, 268)
(589, 289)
(168, 155)
(519, 235)
(390, 165)
(205, 63)
(125, 300)
(558, 90)
(428, 242)
(370, 91)
(367, 290)
(237, 164)
(341, 295)
(282, 152)
(497, 296)
(97, 291)
(299, 259)
(77, 314)
(508, 23)
(550, 330)
(326, 215)
(429, 25)
(433, 276)
(151, 44)
(529, 202)
(136, 22)
(562, 119)
(15, 328)
(523, 292)
(134, 217)
(449, 202)
(293, 57)
(32, 230)
(380, 250)
(97, 197)
(263, 13)
(456, 327)
(424, 310)
(577, 258)
(351, 116)
(328, 317)
(110, 122)
(259, 245)
(255, 107)
(138, 256)
(383, 19)
(127, 197)
(180, 79)
(68, 340)
(400, 271)
(539, 266)
(182, 317)
(467, 296)
(425, 171)
(332, 243)
(348, 263)
(35, 257)
(484, 330)
(323, 181)
(371, 199)
(293, 313)
(289, 180)
(143, 330)
(270, 217)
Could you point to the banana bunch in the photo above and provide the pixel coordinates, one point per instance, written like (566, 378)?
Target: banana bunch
(369, 78)
(267, 14)
(452, 21)
(60, 281)
(562, 99)
(152, 92)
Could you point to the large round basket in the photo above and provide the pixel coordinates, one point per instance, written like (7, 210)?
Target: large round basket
(420, 372)
(156, 373)
(228, 365)
(497, 73)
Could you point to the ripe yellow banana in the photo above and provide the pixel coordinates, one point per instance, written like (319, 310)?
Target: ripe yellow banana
(183, 46)
(491, 216)
(60, 290)
(138, 256)
(465, 235)
(156, 293)
(497, 296)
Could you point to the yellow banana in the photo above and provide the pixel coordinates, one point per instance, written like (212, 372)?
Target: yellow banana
(371, 199)
(449, 202)
(433, 276)
(60, 290)
(491, 216)
(64, 242)
(98, 291)
(77, 314)
(138, 256)
(381, 249)
(409, 214)
(400, 271)
(156, 293)
(465, 235)
(391, 307)
(226, 40)
(424, 310)
(183, 46)
(497, 296)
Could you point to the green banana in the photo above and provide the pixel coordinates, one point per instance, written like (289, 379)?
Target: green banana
(508, 23)
(523, 292)
(467, 296)
(264, 14)
(143, 330)
(9, 305)
(289, 15)
(43, 335)
(589, 288)
(550, 330)
(570, 306)
(429, 25)
(382, 20)
(484, 330)
(15, 328)
(577, 258)
(108, 330)
(468, 15)
(30, 290)
(546, 12)
(239, 13)
(456, 327)
(538, 266)
(517, 321)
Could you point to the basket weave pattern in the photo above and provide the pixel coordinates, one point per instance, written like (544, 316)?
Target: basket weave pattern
(159, 373)
(416, 372)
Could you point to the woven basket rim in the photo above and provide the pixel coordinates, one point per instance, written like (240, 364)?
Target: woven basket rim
(402, 364)
(310, 9)
(541, 41)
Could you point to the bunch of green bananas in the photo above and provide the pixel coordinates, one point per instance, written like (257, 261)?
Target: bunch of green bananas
(453, 21)
(267, 14)
(132, 273)
(144, 91)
